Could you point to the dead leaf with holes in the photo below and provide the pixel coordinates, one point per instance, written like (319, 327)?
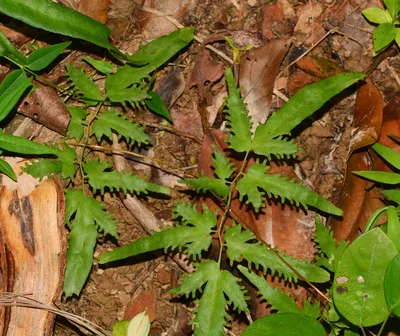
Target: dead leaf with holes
(258, 71)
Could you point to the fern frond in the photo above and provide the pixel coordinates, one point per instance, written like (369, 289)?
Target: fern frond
(84, 85)
(238, 248)
(238, 120)
(194, 236)
(99, 179)
(210, 315)
(75, 126)
(222, 167)
(42, 168)
(203, 183)
(89, 215)
(311, 309)
(279, 186)
(134, 95)
(111, 120)
(278, 147)
(326, 243)
(126, 76)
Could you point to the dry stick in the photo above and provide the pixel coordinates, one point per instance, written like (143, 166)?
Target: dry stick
(143, 215)
(219, 53)
(22, 300)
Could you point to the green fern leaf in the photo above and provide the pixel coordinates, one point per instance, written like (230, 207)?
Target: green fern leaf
(222, 167)
(327, 245)
(210, 314)
(100, 179)
(75, 127)
(126, 76)
(280, 148)
(193, 235)
(207, 183)
(311, 309)
(89, 215)
(238, 248)
(42, 168)
(238, 120)
(111, 120)
(134, 95)
(276, 298)
(84, 85)
(278, 186)
(303, 104)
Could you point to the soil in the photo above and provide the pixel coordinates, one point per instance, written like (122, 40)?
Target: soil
(122, 290)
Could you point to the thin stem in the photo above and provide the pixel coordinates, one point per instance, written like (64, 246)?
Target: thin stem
(228, 206)
(85, 144)
(126, 152)
(383, 326)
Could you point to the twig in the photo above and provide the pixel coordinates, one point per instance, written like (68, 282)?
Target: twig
(22, 300)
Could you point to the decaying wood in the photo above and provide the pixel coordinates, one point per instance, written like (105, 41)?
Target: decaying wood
(32, 237)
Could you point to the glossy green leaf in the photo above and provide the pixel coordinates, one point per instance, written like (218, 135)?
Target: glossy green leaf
(157, 105)
(397, 38)
(384, 34)
(11, 90)
(358, 288)
(42, 57)
(377, 15)
(288, 324)
(20, 145)
(75, 127)
(380, 176)
(275, 185)
(393, 227)
(388, 154)
(303, 104)
(393, 195)
(393, 7)
(392, 288)
(100, 66)
(373, 219)
(84, 85)
(5, 168)
(8, 50)
(50, 16)
(159, 51)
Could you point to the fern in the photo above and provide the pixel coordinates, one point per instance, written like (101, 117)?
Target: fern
(99, 179)
(330, 251)
(89, 218)
(274, 185)
(75, 126)
(111, 120)
(221, 289)
(223, 169)
(193, 236)
(241, 245)
(277, 299)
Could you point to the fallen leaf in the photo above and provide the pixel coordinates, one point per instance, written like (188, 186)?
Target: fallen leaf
(144, 301)
(368, 114)
(274, 23)
(44, 106)
(206, 70)
(171, 87)
(318, 67)
(258, 71)
(96, 9)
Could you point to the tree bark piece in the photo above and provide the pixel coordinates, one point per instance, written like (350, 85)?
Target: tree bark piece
(33, 237)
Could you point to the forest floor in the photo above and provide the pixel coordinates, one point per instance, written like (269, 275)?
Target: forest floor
(308, 41)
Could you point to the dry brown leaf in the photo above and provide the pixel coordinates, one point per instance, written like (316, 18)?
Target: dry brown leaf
(206, 70)
(258, 71)
(96, 9)
(368, 114)
(44, 106)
